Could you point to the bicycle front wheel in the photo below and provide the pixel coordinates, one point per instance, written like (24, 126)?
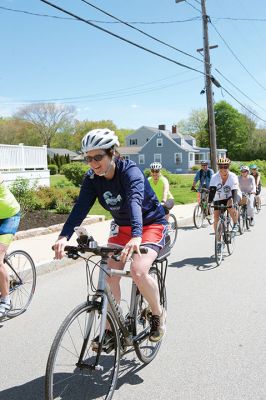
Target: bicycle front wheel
(198, 217)
(73, 370)
(22, 281)
(146, 351)
(172, 230)
(219, 242)
(230, 238)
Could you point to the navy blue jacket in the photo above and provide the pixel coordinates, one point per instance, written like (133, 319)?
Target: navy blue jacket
(128, 196)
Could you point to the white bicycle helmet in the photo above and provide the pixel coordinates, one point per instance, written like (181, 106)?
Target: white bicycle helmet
(156, 166)
(99, 139)
(244, 168)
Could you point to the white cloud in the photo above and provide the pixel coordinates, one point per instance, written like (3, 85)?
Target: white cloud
(134, 106)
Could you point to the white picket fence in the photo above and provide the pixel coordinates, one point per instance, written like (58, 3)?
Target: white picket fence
(19, 161)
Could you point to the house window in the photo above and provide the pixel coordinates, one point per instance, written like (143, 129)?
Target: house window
(160, 142)
(141, 159)
(157, 158)
(133, 142)
(178, 158)
(191, 156)
(200, 157)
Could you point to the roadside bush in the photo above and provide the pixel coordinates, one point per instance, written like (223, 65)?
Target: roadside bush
(24, 194)
(75, 172)
(45, 198)
(53, 169)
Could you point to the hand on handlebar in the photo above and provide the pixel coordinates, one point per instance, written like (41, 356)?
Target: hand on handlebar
(131, 247)
(59, 247)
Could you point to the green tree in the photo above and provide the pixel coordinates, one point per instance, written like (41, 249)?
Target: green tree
(231, 129)
(195, 125)
(14, 132)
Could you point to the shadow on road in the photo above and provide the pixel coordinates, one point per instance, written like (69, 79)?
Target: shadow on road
(200, 263)
(34, 390)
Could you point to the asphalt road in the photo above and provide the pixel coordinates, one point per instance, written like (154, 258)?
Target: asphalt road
(215, 346)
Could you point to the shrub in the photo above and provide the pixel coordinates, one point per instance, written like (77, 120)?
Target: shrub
(24, 194)
(53, 169)
(75, 172)
(45, 198)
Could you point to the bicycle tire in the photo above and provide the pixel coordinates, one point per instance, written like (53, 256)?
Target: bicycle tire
(219, 242)
(198, 216)
(63, 376)
(22, 276)
(146, 351)
(172, 230)
(241, 228)
(211, 221)
(230, 238)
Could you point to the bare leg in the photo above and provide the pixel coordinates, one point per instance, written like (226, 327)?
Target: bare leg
(147, 286)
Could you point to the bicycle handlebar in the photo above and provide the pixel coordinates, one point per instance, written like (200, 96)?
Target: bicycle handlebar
(86, 244)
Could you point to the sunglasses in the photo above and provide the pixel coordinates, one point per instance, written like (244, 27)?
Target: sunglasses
(223, 166)
(244, 171)
(155, 171)
(98, 157)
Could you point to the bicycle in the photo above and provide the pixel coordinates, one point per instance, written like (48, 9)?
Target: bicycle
(243, 219)
(172, 226)
(257, 203)
(22, 281)
(202, 210)
(74, 369)
(224, 237)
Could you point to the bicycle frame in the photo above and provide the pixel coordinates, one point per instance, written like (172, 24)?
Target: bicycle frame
(104, 293)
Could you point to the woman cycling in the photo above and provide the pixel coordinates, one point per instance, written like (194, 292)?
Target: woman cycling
(224, 190)
(160, 186)
(122, 189)
(254, 171)
(9, 222)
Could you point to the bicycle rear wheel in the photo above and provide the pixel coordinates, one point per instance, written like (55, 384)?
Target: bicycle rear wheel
(172, 230)
(198, 216)
(72, 371)
(146, 350)
(219, 242)
(22, 277)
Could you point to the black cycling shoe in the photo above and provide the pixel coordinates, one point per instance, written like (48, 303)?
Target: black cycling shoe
(157, 323)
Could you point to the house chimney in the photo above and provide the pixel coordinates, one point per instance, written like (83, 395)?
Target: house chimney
(162, 127)
(173, 128)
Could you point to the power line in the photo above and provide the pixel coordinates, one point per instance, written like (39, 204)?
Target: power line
(237, 88)
(121, 38)
(247, 109)
(233, 53)
(191, 5)
(142, 32)
(101, 22)
(101, 96)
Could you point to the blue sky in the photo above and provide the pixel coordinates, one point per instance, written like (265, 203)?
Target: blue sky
(47, 58)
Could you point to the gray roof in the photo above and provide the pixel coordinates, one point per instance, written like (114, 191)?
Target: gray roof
(129, 150)
(62, 152)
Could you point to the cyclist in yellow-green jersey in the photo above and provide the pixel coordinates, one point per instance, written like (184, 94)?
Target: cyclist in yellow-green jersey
(160, 185)
(9, 222)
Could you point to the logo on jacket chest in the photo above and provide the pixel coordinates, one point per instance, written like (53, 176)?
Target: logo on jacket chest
(112, 201)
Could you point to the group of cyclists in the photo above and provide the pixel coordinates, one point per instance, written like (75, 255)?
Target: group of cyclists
(226, 188)
(139, 208)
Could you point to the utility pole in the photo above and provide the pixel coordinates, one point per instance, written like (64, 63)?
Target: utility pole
(208, 85)
(208, 82)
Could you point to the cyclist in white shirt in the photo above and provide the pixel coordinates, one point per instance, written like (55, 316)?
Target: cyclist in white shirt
(224, 189)
(247, 185)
